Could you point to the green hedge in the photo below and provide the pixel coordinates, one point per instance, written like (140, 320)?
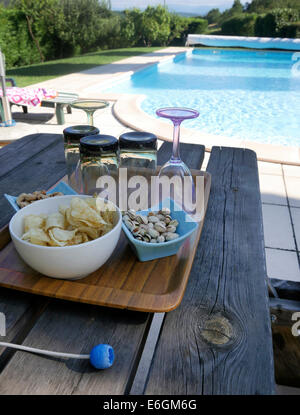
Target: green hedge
(197, 25)
(280, 22)
(240, 25)
(15, 41)
(272, 24)
(291, 30)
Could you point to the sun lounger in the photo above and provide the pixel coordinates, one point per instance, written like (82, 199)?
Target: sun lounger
(63, 99)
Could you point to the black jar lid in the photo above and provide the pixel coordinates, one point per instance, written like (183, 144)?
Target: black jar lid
(98, 143)
(138, 140)
(76, 132)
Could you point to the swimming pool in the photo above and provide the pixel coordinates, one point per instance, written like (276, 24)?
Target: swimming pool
(246, 95)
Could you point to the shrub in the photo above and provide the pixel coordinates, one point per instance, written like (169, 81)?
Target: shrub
(291, 30)
(109, 35)
(178, 29)
(271, 24)
(197, 25)
(265, 26)
(130, 27)
(15, 41)
(154, 26)
(264, 6)
(240, 25)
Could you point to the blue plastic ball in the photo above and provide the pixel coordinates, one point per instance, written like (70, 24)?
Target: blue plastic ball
(102, 356)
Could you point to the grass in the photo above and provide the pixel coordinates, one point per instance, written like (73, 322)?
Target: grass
(28, 75)
(213, 29)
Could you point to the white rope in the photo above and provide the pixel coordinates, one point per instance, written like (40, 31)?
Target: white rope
(45, 352)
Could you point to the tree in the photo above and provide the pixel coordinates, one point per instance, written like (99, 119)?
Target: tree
(213, 16)
(263, 6)
(81, 27)
(38, 14)
(178, 26)
(15, 41)
(237, 7)
(131, 27)
(155, 25)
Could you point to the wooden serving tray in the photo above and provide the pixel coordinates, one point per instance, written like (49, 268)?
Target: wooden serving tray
(122, 282)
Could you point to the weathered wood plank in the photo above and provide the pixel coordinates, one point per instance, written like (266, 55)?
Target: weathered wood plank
(76, 328)
(18, 173)
(20, 311)
(218, 341)
(71, 327)
(16, 153)
(40, 171)
(191, 154)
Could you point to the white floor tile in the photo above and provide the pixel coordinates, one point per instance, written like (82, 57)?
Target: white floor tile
(293, 171)
(293, 190)
(296, 224)
(282, 265)
(277, 227)
(272, 189)
(269, 168)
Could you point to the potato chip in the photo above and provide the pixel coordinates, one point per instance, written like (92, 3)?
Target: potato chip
(85, 220)
(80, 211)
(62, 209)
(36, 236)
(109, 217)
(70, 221)
(33, 221)
(55, 220)
(80, 238)
(91, 232)
(60, 237)
(91, 201)
(104, 205)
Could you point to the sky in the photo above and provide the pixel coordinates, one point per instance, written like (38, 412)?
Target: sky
(190, 6)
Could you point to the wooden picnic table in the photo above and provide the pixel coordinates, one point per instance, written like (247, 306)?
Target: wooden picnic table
(218, 340)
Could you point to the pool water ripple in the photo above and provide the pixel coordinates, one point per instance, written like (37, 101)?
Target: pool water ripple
(246, 95)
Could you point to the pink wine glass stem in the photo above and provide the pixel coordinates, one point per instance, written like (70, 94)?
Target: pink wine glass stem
(176, 138)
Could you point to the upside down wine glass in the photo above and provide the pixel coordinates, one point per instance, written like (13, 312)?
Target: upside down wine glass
(89, 106)
(183, 189)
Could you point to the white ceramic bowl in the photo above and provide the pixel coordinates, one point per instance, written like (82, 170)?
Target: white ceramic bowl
(69, 262)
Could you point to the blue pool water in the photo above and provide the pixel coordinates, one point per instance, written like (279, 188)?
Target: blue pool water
(248, 95)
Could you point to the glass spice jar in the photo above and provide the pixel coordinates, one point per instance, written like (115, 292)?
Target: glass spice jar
(138, 150)
(72, 136)
(99, 156)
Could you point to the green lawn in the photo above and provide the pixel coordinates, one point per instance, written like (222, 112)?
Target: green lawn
(28, 75)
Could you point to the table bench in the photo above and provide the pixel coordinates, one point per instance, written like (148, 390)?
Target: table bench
(218, 341)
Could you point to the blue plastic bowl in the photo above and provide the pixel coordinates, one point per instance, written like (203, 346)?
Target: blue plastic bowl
(148, 251)
(60, 187)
